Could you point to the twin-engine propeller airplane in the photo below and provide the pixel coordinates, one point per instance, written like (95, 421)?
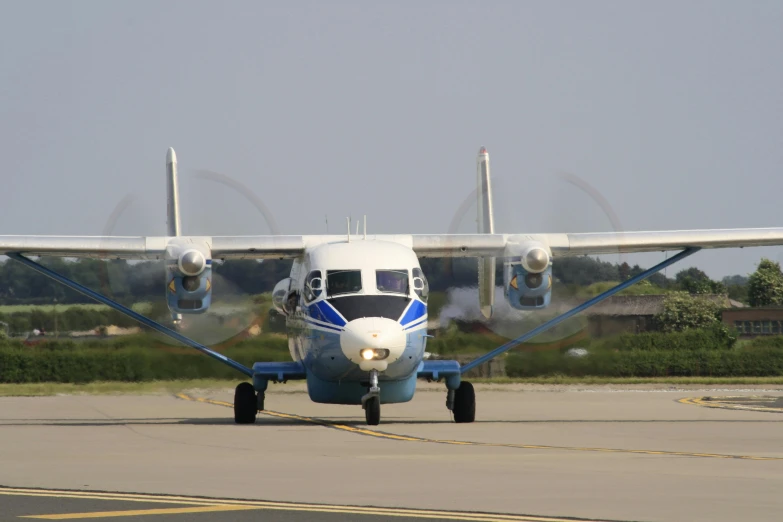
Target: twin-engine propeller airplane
(356, 306)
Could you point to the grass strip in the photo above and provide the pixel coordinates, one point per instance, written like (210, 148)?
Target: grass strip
(41, 389)
(170, 387)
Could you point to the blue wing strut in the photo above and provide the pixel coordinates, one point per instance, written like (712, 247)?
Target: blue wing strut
(451, 370)
(130, 313)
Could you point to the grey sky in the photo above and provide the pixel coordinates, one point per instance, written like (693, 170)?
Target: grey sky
(673, 111)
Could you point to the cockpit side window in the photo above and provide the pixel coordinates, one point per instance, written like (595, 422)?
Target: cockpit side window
(340, 282)
(420, 284)
(392, 281)
(313, 286)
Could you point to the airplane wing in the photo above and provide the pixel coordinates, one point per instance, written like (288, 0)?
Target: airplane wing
(428, 245)
(629, 242)
(100, 247)
(560, 245)
(151, 247)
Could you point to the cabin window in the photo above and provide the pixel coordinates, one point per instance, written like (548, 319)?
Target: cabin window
(313, 286)
(392, 281)
(420, 284)
(340, 282)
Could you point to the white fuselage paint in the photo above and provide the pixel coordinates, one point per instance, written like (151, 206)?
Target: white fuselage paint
(327, 332)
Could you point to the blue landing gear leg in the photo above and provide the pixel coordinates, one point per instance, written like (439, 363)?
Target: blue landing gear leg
(460, 397)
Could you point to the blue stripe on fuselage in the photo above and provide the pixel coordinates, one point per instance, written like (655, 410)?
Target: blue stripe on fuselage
(415, 311)
(323, 311)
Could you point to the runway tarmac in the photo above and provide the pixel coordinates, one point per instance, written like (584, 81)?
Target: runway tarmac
(594, 453)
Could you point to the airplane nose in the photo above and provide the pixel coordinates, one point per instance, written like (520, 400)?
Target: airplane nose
(373, 342)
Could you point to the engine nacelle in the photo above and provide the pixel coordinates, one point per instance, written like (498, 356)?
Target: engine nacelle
(527, 275)
(527, 290)
(188, 277)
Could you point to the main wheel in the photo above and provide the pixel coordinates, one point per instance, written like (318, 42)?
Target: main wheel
(465, 403)
(372, 411)
(245, 404)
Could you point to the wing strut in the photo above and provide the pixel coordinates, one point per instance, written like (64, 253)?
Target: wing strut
(73, 285)
(584, 306)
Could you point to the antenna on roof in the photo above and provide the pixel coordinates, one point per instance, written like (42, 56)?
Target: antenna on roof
(326, 219)
(365, 226)
(348, 220)
(357, 228)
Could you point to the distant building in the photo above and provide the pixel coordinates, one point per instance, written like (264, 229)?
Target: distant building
(623, 314)
(751, 322)
(634, 313)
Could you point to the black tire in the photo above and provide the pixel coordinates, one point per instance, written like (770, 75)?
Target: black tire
(465, 403)
(245, 404)
(372, 411)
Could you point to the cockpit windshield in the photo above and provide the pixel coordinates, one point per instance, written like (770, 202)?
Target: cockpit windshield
(340, 282)
(392, 281)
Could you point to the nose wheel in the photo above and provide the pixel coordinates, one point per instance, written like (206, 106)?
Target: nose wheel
(372, 411)
(371, 402)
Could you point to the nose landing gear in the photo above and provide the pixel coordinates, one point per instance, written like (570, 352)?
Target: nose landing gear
(371, 402)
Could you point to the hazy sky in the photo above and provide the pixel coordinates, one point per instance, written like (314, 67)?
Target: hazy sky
(671, 111)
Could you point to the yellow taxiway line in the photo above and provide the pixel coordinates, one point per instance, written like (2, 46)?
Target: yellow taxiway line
(725, 403)
(141, 512)
(205, 505)
(393, 436)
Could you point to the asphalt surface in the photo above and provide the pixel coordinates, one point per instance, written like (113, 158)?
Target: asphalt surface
(592, 453)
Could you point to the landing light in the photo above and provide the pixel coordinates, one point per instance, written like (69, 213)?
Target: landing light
(368, 354)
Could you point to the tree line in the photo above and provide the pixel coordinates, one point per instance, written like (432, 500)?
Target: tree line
(130, 282)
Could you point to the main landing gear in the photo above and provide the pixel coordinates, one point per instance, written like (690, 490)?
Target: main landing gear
(247, 403)
(371, 402)
(462, 402)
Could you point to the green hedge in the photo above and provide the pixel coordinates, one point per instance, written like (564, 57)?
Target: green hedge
(758, 362)
(145, 358)
(127, 361)
(775, 341)
(707, 339)
(82, 366)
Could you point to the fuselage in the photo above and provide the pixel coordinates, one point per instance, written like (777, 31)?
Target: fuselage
(354, 307)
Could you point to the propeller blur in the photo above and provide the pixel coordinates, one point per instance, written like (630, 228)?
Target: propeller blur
(356, 304)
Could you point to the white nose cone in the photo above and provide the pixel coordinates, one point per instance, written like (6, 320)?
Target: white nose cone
(375, 333)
